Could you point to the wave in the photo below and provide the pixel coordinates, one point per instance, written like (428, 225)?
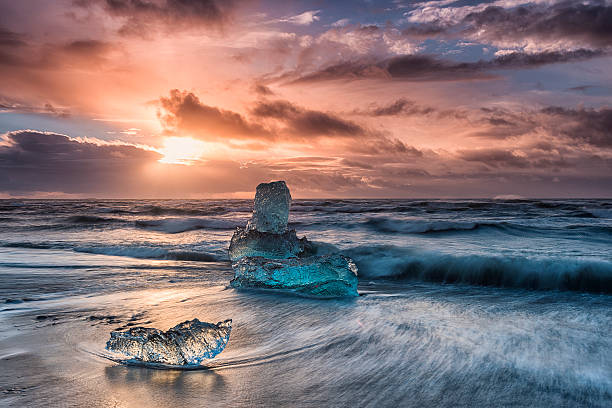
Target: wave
(177, 225)
(391, 225)
(601, 212)
(424, 227)
(27, 245)
(163, 210)
(160, 210)
(149, 253)
(90, 219)
(140, 252)
(390, 262)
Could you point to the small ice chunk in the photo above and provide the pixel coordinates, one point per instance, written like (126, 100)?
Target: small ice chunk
(189, 342)
(271, 208)
(324, 276)
(272, 246)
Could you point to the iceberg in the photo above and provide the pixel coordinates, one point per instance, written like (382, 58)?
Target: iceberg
(187, 343)
(268, 245)
(265, 254)
(271, 208)
(323, 276)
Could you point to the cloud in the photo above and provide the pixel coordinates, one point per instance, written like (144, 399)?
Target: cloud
(340, 23)
(580, 24)
(34, 163)
(17, 53)
(568, 126)
(305, 18)
(183, 112)
(87, 48)
(12, 46)
(43, 161)
(11, 39)
(9, 105)
(401, 106)
(592, 126)
(142, 17)
(494, 158)
(262, 90)
(529, 26)
(306, 122)
(422, 67)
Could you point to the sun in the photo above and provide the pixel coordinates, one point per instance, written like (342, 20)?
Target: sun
(182, 150)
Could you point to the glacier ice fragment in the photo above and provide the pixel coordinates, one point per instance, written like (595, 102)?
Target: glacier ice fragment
(268, 245)
(267, 255)
(324, 276)
(189, 342)
(271, 208)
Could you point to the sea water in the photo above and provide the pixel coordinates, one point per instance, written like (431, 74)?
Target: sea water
(463, 303)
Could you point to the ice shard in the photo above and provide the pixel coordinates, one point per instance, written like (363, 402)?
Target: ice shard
(187, 343)
(324, 276)
(267, 255)
(268, 245)
(271, 208)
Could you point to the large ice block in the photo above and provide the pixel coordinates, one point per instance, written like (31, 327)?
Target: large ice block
(189, 342)
(271, 208)
(324, 276)
(268, 245)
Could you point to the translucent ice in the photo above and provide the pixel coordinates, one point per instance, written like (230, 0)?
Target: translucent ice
(189, 342)
(271, 208)
(266, 255)
(267, 245)
(325, 276)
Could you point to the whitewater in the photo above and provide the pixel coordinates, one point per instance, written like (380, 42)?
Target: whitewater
(462, 303)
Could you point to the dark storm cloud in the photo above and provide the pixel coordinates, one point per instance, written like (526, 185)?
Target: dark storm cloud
(494, 158)
(589, 23)
(590, 126)
(142, 16)
(183, 111)
(567, 125)
(526, 60)
(307, 122)
(431, 68)
(41, 161)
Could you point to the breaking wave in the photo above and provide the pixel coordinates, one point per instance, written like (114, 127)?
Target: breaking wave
(390, 225)
(177, 225)
(27, 245)
(140, 252)
(390, 262)
(90, 219)
(149, 253)
(161, 210)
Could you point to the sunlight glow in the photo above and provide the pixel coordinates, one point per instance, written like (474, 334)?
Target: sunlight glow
(182, 150)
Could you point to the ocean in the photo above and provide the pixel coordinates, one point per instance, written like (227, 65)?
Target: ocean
(462, 303)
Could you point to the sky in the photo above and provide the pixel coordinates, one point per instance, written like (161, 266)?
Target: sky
(342, 99)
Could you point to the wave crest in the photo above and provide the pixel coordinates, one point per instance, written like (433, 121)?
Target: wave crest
(148, 253)
(177, 225)
(390, 262)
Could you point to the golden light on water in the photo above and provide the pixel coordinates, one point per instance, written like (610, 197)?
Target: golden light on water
(182, 150)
